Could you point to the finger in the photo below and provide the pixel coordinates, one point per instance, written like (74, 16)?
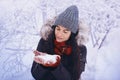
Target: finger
(57, 61)
(58, 58)
(35, 52)
(38, 60)
(43, 54)
(48, 64)
(40, 53)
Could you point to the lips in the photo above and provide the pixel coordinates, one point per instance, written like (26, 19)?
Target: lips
(58, 39)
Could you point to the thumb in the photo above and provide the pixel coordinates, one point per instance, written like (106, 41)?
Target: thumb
(58, 59)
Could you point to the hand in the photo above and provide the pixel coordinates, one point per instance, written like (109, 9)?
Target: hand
(48, 60)
(51, 63)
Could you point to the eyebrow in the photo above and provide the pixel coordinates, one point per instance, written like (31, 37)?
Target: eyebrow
(64, 29)
(67, 29)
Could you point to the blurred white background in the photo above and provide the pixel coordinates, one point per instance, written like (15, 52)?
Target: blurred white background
(20, 23)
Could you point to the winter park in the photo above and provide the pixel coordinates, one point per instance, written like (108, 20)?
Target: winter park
(20, 24)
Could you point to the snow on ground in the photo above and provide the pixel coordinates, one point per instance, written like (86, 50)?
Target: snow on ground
(20, 22)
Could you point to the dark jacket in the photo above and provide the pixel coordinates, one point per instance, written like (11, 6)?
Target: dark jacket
(70, 67)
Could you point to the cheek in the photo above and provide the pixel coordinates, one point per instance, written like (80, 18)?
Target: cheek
(67, 36)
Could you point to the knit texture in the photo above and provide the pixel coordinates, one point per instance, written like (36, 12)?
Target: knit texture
(61, 48)
(69, 19)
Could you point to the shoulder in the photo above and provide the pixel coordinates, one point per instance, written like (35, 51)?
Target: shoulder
(41, 43)
(44, 42)
(82, 47)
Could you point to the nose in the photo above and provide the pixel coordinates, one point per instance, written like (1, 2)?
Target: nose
(60, 34)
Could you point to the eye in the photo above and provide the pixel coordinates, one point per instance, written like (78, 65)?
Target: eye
(57, 28)
(66, 31)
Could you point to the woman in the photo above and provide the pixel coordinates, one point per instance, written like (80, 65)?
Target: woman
(64, 37)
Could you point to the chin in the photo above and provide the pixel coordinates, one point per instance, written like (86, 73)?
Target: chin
(59, 40)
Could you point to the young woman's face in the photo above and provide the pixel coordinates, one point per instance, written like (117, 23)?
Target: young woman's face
(62, 34)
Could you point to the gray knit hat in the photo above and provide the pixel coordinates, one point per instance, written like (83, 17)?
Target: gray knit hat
(69, 19)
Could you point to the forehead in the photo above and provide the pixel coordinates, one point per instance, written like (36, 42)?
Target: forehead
(62, 27)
